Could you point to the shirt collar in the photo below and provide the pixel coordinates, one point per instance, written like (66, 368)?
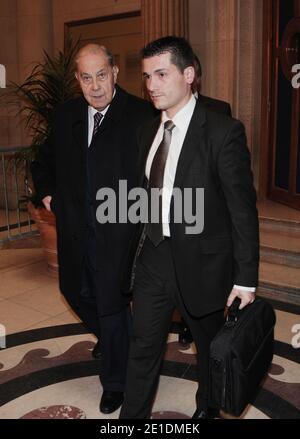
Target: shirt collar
(183, 117)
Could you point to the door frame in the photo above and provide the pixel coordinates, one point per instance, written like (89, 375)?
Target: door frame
(265, 150)
(70, 24)
(268, 127)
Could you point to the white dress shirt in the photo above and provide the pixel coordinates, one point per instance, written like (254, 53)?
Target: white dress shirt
(181, 120)
(91, 121)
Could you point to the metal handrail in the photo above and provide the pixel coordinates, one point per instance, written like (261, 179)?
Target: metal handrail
(11, 155)
(14, 149)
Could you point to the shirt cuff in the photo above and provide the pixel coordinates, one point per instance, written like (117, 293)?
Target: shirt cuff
(246, 289)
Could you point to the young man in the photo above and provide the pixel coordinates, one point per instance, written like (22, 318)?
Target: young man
(93, 146)
(185, 335)
(188, 147)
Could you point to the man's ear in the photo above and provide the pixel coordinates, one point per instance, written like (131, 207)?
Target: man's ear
(189, 74)
(115, 72)
(76, 76)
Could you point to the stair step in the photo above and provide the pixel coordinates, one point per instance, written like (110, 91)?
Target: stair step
(279, 282)
(279, 218)
(274, 210)
(285, 227)
(279, 248)
(279, 277)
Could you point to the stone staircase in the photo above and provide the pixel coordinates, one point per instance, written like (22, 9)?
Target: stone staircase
(279, 277)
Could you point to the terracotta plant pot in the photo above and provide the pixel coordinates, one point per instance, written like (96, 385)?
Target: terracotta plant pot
(46, 225)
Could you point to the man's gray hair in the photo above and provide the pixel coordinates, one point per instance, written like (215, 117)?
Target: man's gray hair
(94, 48)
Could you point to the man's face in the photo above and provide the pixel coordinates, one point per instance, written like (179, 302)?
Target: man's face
(97, 79)
(168, 88)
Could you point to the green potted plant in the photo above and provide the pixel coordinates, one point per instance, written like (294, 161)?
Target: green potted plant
(50, 83)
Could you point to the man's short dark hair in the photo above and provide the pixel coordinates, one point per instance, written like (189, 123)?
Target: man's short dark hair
(196, 85)
(198, 67)
(182, 55)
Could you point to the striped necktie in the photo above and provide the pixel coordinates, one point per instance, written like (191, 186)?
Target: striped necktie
(97, 120)
(156, 180)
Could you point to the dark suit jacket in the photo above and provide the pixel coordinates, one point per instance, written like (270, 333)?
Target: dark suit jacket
(60, 171)
(215, 157)
(215, 104)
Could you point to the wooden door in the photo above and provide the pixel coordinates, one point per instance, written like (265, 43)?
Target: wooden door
(284, 104)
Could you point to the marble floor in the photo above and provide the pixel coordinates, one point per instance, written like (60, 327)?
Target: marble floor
(47, 371)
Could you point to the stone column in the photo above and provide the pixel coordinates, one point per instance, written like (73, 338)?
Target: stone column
(227, 37)
(164, 17)
(34, 34)
(248, 74)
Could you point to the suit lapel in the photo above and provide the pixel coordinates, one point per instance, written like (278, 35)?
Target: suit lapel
(148, 135)
(79, 145)
(80, 125)
(193, 143)
(115, 111)
(80, 119)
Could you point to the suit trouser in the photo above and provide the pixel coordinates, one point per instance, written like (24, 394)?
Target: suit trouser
(155, 296)
(113, 331)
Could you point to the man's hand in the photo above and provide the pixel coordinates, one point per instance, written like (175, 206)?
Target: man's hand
(245, 296)
(46, 201)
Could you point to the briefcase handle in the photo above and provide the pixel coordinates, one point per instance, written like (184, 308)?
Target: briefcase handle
(233, 310)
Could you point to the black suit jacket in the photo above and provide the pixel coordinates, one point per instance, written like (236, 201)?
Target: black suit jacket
(60, 171)
(215, 157)
(215, 104)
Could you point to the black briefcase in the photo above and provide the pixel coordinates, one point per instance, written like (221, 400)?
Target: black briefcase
(240, 355)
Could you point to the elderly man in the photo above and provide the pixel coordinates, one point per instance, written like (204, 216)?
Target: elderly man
(93, 145)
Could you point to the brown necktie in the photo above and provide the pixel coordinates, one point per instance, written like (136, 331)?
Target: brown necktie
(156, 180)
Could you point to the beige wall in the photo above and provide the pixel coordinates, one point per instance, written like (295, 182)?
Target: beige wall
(25, 30)
(9, 132)
(34, 33)
(8, 34)
(227, 36)
(73, 10)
